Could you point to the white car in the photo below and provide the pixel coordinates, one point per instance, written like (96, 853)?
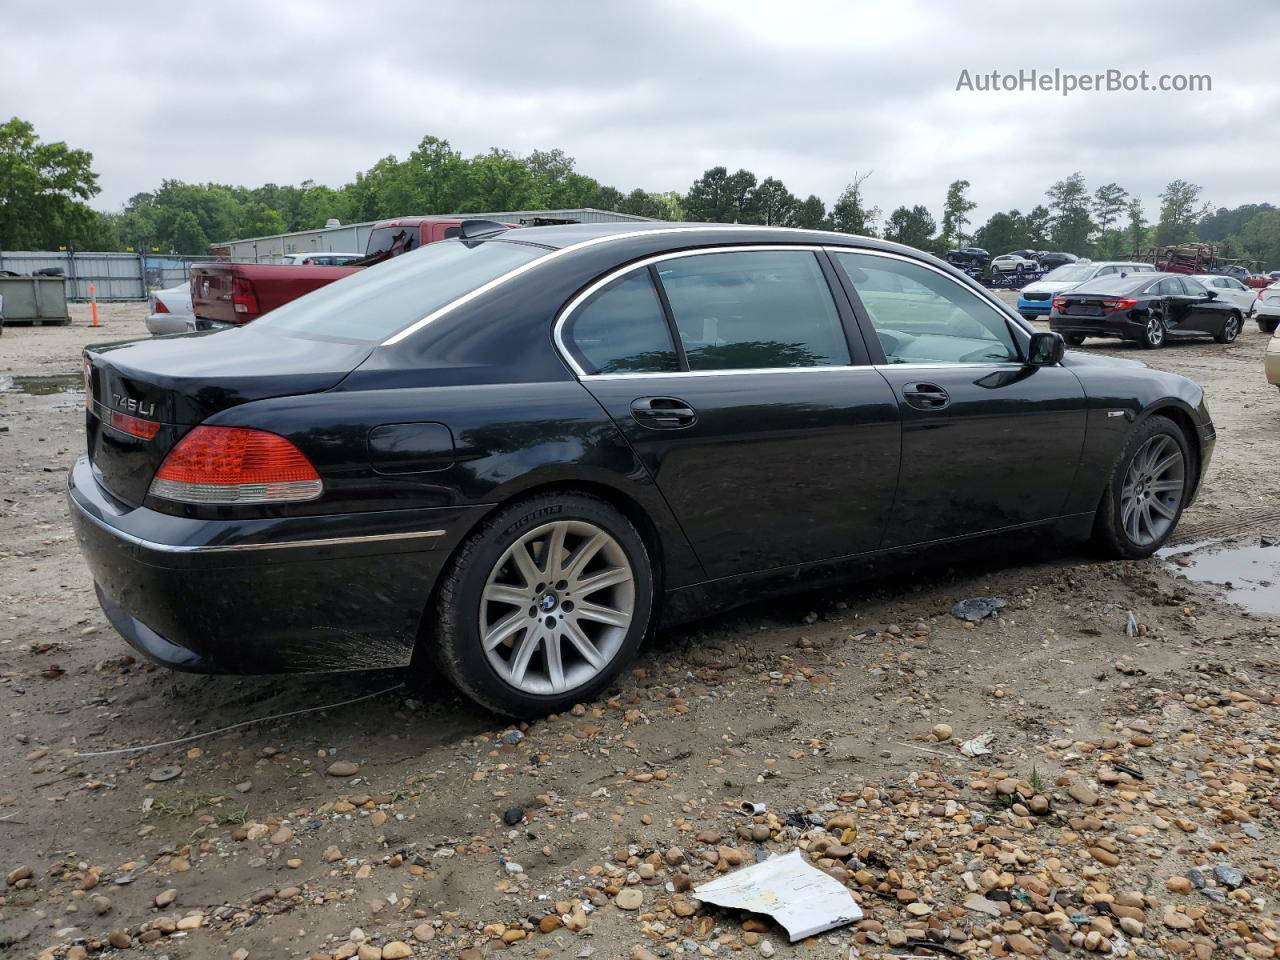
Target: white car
(1266, 309)
(1036, 299)
(1231, 290)
(1012, 263)
(171, 311)
(320, 259)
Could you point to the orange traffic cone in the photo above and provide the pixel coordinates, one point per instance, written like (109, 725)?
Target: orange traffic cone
(93, 306)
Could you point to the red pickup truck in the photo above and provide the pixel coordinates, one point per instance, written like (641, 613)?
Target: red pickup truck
(225, 293)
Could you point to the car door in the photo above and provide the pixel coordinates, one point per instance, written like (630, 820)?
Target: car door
(732, 375)
(988, 442)
(1204, 314)
(1176, 306)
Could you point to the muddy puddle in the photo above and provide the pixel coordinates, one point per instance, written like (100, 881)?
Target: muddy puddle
(1247, 574)
(65, 391)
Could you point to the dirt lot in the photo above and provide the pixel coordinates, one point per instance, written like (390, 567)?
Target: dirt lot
(1130, 804)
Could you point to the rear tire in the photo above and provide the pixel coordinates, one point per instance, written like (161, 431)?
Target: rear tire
(1268, 324)
(1230, 328)
(1146, 491)
(544, 605)
(1153, 334)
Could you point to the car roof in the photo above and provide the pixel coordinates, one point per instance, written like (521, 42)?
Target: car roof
(558, 236)
(1115, 283)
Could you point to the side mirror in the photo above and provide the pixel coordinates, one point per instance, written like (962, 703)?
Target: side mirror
(1045, 349)
(1213, 294)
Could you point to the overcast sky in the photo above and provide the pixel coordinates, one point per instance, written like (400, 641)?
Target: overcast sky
(650, 94)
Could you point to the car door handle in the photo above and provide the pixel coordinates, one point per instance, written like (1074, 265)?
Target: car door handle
(662, 413)
(926, 396)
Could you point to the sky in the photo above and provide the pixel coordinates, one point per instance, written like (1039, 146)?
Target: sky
(650, 94)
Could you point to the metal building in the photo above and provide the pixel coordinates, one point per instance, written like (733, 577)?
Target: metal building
(352, 237)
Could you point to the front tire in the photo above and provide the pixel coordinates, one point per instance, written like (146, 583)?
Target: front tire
(1146, 491)
(1073, 339)
(544, 605)
(1230, 329)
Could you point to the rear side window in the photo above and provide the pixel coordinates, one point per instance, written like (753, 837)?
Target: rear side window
(622, 329)
(755, 309)
(1194, 287)
(383, 299)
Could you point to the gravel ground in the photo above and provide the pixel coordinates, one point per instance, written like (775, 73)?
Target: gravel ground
(1129, 806)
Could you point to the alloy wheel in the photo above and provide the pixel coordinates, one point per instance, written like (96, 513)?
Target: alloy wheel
(557, 606)
(1152, 491)
(1155, 331)
(1230, 329)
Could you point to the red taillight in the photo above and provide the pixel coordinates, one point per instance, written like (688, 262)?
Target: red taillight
(243, 299)
(1059, 303)
(235, 465)
(1259, 296)
(133, 426)
(160, 307)
(1123, 304)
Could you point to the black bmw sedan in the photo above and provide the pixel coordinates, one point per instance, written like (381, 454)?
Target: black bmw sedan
(507, 457)
(1150, 308)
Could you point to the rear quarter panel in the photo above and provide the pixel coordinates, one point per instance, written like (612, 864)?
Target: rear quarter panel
(508, 440)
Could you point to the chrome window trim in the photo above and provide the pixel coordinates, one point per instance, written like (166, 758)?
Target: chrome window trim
(745, 371)
(557, 329)
(550, 256)
(1003, 309)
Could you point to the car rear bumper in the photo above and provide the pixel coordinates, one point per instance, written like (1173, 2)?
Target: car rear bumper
(280, 595)
(1118, 326)
(162, 324)
(1039, 308)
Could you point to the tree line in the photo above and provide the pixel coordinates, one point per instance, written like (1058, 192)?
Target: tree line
(45, 189)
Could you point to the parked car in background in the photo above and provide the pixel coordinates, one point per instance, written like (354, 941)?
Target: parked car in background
(968, 257)
(319, 259)
(1146, 308)
(503, 459)
(233, 294)
(1035, 299)
(1051, 261)
(1266, 308)
(1271, 363)
(171, 311)
(1230, 289)
(1013, 263)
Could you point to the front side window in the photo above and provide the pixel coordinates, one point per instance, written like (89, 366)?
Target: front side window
(921, 316)
(622, 329)
(380, 300)
(754, 309)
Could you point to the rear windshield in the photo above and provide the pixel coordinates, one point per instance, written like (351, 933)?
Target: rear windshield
(381, 300)
(1070, 273)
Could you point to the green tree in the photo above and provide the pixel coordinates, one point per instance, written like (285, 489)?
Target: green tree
(1180, 210)
(773, 204)
(1069, 205)
(914, 227)
(1260, 239)
(1002, 233)
(811, 214)
(641, 203)
(708, 199)
(1039, 223)
(1109, 203)
(498, 180)
(43, 189)
(850, 214)
(1216, 227)
(1137, 229)
(955, 213)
